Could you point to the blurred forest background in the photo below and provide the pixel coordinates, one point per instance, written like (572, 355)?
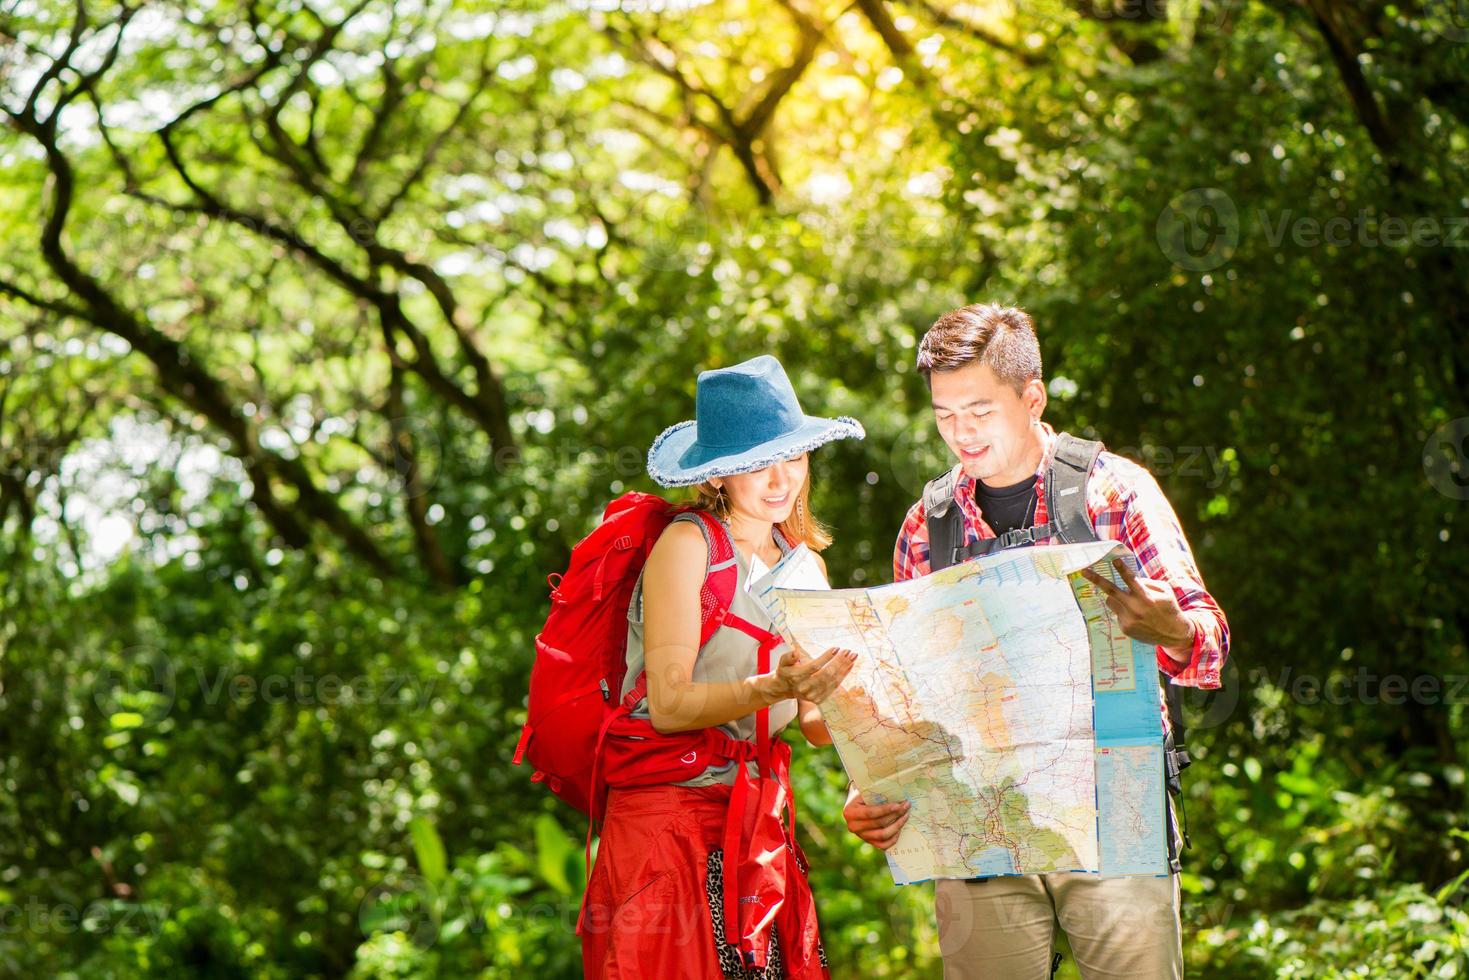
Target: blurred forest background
(328, 326)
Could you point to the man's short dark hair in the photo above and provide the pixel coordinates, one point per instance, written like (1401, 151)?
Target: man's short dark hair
(1001, 337)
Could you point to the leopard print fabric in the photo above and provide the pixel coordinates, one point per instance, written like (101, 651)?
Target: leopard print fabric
(730, 963)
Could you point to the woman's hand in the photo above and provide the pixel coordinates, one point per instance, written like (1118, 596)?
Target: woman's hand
(799, 676)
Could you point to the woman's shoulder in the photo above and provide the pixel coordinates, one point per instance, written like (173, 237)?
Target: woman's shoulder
(681, 544)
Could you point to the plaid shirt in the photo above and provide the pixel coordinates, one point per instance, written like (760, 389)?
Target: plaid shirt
(1125, 504)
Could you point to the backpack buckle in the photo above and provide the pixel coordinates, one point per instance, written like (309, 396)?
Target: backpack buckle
(606, 691)
(1012, 538)
(1019, 537)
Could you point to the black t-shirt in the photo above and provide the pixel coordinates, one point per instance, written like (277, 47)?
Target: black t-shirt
(1006, 508)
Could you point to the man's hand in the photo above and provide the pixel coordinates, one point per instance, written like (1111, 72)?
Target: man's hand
(1146, 609)
(877, 825)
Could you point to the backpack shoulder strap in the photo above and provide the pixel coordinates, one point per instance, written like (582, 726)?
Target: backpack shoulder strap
(938, 494)
(721, 576)
(1071, 465)
(721, 548)
(945, 521)
(720, 583)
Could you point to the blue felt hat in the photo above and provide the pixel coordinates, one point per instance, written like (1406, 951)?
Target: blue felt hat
(746, 417)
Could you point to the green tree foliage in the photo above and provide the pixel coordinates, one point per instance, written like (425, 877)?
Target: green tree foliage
(330, 327)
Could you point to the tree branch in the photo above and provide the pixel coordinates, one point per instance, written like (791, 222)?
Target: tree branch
(945, 18)
(404, 454)
(1344, 57)
(183, 375)
(743, 134)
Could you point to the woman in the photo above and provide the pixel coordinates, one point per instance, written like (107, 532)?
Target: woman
(703, 878)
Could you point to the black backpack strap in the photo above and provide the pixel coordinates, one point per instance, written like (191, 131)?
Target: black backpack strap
(1176, 747)
(1173, 811)
(945, 522)
(1071, 465)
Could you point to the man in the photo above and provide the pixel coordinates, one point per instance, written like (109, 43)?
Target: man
(983, 366)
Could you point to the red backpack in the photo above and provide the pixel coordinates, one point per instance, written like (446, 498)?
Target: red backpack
(581, 661)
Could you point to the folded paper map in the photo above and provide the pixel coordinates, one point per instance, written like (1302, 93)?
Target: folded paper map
(797, 569)
(1001, 699)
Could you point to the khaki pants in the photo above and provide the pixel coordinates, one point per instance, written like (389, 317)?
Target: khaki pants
(1001, 928)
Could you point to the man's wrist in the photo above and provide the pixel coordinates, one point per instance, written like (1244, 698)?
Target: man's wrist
(1182, 651)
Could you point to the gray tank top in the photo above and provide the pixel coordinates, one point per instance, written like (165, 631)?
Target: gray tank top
(729, 655)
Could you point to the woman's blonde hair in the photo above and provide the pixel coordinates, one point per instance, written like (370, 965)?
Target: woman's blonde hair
(801, 527)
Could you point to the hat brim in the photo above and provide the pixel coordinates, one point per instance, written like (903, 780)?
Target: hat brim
(674, 462)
